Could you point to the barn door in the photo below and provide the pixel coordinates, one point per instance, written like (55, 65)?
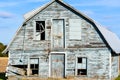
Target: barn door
(58, 33)
(57, 65)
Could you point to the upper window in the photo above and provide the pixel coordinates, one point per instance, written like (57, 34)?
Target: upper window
(79, 60)
(40, 30)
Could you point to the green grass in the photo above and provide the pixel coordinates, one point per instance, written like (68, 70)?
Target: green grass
(118, 78)
(2, 76)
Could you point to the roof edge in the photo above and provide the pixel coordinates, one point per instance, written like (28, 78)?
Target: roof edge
(32, 13)
(6, 49)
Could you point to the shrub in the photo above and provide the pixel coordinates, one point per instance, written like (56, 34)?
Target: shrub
(2, 76)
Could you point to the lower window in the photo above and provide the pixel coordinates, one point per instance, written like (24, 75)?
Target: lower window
(81, 66)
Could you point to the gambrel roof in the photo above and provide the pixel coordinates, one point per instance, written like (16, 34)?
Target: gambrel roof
(110, 38)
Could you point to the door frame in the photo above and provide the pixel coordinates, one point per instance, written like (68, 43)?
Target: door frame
(64, 42)
(64, 53)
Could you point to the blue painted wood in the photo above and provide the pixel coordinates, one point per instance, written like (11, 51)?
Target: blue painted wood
(57, 65)
(58, 33)
(89, 44)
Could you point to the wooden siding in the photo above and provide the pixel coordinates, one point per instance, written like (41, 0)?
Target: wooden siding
(89, 44)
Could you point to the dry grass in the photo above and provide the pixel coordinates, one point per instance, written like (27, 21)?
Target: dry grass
(38, 78)
(3, 64)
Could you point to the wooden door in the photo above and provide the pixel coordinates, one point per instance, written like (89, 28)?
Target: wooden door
(58, 33)
(57, 65)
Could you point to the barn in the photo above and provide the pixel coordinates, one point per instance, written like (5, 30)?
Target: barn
(58, 41)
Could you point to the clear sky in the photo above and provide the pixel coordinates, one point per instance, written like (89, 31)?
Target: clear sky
(105, 12)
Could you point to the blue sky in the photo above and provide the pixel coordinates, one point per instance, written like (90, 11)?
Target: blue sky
(105, 12)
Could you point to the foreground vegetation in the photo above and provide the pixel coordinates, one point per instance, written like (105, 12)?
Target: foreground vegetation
(118, 78)
(2, 76)
(2, 47)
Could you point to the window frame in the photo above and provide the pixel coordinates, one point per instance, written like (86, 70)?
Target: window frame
(77, 68)
(35, 32)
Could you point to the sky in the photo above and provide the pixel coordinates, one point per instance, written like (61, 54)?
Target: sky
(105, 12)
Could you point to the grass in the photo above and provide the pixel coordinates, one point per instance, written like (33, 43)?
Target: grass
(118, 78)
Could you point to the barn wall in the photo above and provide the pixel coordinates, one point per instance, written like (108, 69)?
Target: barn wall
(89, 37)
(115, 66)
(90, 45)
(98, 62)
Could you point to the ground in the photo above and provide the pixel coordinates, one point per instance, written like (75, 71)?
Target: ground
(3, 65)
(36, 78)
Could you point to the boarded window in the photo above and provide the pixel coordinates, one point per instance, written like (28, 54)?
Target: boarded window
(75, 29)
(40, 30)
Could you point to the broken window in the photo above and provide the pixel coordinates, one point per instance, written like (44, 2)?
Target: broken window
(81, 72)
(34, 66)
(79, 60)
(40, 30)
(81, 66)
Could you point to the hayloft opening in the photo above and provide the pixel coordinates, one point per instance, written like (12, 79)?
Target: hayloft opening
(40, 30)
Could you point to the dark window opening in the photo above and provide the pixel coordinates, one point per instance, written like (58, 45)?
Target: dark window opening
(40, 28)
(81, 72)
(34, 72)
(20, 66)
(34, 66)
(24, 67)
(79, 60)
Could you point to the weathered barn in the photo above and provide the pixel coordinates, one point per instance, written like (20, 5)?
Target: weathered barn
(57, 40)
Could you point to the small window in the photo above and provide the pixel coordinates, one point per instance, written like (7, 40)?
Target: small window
(81, 69)
(34, 68)
(40, 30)
(79, 60)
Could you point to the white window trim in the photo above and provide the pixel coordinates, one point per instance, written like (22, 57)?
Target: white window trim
(34, 25)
